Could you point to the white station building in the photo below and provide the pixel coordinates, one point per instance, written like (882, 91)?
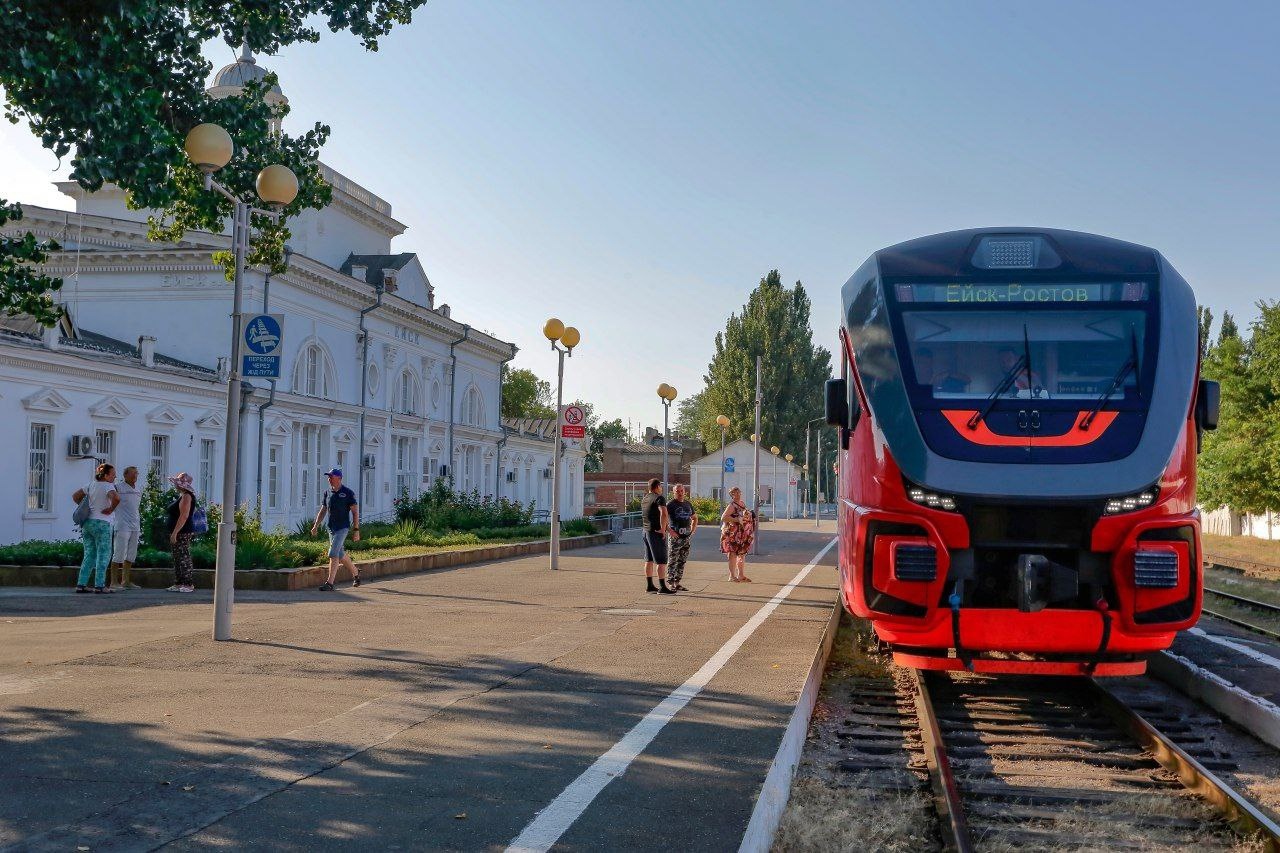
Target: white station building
(136, 372)
(779, 479)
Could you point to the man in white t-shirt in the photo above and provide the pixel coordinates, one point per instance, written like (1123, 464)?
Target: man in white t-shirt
(128, 529)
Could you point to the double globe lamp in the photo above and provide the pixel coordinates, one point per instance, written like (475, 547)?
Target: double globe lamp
(209, 147)
(563, 339)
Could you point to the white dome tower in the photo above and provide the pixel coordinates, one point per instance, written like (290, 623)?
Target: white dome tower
(232, 78)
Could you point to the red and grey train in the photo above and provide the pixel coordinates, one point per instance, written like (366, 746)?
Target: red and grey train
(1019, 415)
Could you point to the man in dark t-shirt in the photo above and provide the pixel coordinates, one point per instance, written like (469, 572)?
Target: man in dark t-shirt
(339, 503)
(683, 521)
(653, 516)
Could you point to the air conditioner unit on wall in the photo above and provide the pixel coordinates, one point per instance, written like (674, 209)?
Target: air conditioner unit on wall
(80, 446)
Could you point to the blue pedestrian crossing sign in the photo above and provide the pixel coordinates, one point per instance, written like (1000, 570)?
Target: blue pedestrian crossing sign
(261, 337)
(728, 464)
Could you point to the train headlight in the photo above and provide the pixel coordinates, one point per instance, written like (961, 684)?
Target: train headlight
(933, 500)
(1131, 503)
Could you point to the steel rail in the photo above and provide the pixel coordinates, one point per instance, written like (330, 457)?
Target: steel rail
(955, 826)
(1250, 602)
(1263, 606)
(1244, 816)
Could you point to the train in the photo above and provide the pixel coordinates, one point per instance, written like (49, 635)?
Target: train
(1019, 412)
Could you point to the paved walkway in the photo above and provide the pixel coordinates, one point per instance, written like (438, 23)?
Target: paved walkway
(436, 711)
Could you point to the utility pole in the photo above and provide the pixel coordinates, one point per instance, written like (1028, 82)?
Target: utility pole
(755, 467)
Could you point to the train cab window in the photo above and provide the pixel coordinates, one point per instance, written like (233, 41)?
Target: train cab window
(1028, 353)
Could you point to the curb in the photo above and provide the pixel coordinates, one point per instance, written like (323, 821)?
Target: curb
(776, 791)
(308, 577)
(1254, 714)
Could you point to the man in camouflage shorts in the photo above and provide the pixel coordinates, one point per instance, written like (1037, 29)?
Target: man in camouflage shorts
(684, 520)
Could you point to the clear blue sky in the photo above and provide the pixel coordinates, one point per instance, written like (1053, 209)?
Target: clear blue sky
(636, 168)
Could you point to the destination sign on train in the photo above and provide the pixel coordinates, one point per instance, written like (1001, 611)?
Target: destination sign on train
(963, 294)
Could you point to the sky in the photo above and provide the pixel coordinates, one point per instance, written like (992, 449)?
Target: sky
(635, 169)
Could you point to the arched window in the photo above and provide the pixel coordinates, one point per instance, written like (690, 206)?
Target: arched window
(313, 375)
(408, 394)
(473, 407)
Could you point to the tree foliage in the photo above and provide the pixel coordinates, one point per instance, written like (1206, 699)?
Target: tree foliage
(1240, 462)
(116, 84)
(689, 414)
(23, 288)
(524, 395)
(774, 324)
(614, 430)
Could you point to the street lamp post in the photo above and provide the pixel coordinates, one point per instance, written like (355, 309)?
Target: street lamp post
(668, 394)
(568, 337)
(724, 426)
(209, 147)
(817, 494)
(807, 484)
(790, 491)
(773, 482)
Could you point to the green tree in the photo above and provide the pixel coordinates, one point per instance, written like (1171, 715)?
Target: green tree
(614, 430)
(23, 288)
(524, 395)
(1240, 462)
(1204, 316)
(689, 415)
(774, 324)
(116, 84)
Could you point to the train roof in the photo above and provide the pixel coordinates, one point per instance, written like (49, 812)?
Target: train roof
(949, 253)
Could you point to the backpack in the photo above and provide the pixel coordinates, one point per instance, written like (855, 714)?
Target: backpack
(199, 521)
(82, 511)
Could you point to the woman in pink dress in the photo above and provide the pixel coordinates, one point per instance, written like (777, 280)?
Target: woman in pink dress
(737, 531)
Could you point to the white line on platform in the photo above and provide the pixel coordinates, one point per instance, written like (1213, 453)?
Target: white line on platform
(553, 821)
(1260, 657)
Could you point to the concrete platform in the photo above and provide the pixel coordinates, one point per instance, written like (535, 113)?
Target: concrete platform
(443, 710)
(1234, 671)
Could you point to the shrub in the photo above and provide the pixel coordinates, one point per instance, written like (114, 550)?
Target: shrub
(39, 552)
(578, 527)
(708, 510)
(441, 508)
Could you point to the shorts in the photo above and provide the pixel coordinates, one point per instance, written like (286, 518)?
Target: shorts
(124, 547)
(338, 542)
(655, 547)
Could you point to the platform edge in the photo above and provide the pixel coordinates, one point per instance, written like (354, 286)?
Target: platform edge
(776, 791)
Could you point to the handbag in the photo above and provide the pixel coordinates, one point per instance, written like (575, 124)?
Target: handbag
(82, 511)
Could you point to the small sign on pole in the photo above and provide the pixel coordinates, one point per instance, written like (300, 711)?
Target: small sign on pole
(572, 422)
(728, 464)
(262, 336)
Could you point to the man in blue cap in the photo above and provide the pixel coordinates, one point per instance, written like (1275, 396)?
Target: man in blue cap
(339, 504)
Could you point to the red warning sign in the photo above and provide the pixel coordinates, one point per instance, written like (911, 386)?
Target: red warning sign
(571, 422)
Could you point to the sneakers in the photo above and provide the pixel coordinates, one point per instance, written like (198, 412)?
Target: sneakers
(82, 589)
(663, 589)
(186, 587)
(326, 587)
(355, 582)
(103, 589)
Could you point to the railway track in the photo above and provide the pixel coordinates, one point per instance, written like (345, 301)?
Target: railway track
(1062, 763)
(1239, 600)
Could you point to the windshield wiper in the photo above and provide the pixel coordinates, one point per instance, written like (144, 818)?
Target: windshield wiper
(1023, 363)
(1131, 365)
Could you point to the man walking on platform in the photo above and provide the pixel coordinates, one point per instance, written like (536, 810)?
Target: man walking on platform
(683, 521)
(653, 515)
(344, 517)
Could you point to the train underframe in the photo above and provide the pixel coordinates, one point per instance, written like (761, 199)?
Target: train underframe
(1047, 588)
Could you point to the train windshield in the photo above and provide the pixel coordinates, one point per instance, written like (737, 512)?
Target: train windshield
(1065, 342)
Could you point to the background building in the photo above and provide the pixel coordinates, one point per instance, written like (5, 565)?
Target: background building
(627, 466)
(778, 478)
(136, 372)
